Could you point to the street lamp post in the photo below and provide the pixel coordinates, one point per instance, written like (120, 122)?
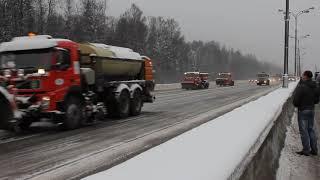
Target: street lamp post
(298, 64)
(286, 48)
(296, 15)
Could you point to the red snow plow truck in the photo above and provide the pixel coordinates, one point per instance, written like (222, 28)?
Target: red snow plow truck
(71, 83)
(224, 79)
(195, 80)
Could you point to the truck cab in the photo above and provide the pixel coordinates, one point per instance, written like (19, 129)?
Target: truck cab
(41, 68)
(224, 79)
(263, 79)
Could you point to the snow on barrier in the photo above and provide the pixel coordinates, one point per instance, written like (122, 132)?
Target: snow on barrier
(214, 150)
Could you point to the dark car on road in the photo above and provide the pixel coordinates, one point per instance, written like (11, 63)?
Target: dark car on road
(292, 78)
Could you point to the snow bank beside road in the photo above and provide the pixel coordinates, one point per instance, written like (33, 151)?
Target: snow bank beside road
(211, 151)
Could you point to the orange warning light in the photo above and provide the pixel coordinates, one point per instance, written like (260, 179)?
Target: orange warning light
(31, 34)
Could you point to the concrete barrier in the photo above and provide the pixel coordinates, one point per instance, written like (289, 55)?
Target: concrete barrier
(262, 161)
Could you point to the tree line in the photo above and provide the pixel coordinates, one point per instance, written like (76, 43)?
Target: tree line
(157, 37)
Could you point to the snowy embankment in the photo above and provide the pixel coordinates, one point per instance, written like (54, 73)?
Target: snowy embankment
(213, 150)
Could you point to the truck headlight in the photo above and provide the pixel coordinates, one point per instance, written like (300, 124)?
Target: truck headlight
(20, 72)
(7, 73)
(41, 71)
(45, 102)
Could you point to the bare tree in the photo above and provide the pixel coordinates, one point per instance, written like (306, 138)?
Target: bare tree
(131, 30)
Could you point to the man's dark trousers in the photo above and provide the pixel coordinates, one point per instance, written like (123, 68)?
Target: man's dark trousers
(306, 128)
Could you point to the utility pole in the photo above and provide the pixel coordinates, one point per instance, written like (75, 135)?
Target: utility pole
(286, 48)
(295, 46)
(296, 15)
(298, 60)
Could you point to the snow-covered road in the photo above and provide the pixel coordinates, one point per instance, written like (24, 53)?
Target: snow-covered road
(212, 151)
(50, 154)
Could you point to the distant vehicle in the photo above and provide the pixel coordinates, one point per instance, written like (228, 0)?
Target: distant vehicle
(316, 74)
(263, 79)
(292, 78)
(225, 79)
(195, 80)
(278, 77)
(274, 79)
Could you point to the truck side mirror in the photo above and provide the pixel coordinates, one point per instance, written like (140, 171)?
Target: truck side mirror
(59, 66)
(93, 58)
(56, 66)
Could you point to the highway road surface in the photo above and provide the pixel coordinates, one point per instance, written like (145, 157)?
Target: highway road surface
(48, 153)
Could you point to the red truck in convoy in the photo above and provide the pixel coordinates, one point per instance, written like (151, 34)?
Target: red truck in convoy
(225, 79)
(195, 80)
(71, 83)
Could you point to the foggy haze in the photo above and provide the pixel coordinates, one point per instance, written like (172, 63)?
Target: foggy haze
(252, 26)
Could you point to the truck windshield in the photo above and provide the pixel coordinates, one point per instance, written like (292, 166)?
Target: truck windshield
(37, 59)
(263, 75)
(189, 75)
(224, 75)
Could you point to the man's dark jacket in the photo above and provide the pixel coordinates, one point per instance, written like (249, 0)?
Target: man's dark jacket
(306, 95)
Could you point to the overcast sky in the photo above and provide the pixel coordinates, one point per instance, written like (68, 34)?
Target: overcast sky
(253, 26)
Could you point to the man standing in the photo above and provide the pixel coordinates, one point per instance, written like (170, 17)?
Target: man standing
(305, 98)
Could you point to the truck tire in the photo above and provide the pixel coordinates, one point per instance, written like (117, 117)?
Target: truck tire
(201, 86)
(6, 113)
(120, 108)
(74, 113)
(25, 125)
(136, 103)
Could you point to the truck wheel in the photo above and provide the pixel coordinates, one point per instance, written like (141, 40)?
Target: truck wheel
(24, 126)
(74, 114)
(6, 113)
(120, 108)
(136, 103)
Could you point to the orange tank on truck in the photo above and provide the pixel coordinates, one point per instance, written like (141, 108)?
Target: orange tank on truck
(73, 84)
